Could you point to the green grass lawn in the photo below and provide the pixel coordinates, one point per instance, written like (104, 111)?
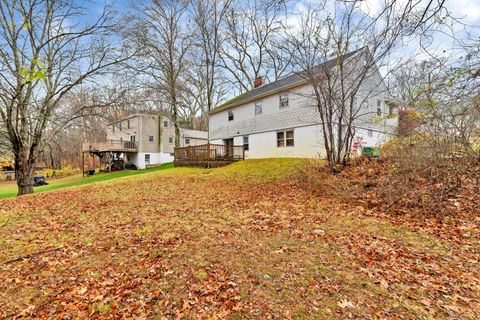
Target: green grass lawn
(9, 189)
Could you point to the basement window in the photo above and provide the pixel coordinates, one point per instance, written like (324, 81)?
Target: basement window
(147, 158)
(285, 139)
(230, 115)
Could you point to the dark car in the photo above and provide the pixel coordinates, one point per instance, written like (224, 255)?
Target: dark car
(39, 181)
(130, 166)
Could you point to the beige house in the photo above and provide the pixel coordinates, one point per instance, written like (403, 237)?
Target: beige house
(144, 139)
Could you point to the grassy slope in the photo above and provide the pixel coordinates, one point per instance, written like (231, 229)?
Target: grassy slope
(9, 189)
(241, 241)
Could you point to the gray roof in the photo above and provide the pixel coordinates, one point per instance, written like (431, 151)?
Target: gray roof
(292, 79)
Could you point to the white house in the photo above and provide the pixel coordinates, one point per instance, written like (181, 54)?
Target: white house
(279, 119)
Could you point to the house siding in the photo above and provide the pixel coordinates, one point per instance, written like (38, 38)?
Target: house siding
(143, 126)
(302, 116)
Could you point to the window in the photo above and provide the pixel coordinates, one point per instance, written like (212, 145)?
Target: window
(128, 124)
(283, 101)
(187, 140)
(258, 107)
(391, 110)
(165, 123)
(170, 140)
(379, 111)
(150, 138)
(132, 138)
(120, 126)
(379, 103)
(245, 143)
(113, 128)
(147, 158)
(285, 139)
(230, 115)
(370, 133)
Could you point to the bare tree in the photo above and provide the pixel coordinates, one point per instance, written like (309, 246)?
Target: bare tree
(209, 17)
(253, 42)
(344, 84)
(43, 57)
(160, 31)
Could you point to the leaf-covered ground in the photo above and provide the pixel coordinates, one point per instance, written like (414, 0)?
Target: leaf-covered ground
(247, 241)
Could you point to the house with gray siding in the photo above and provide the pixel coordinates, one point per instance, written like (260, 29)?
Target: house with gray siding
(144, 140)
(279, 119)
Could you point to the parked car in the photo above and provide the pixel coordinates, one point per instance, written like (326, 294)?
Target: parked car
(39, 181)
(130, 166)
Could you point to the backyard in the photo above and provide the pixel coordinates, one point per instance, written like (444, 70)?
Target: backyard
(9, 189)
(245, 241)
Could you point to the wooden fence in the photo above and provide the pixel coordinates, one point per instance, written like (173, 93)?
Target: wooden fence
(208, 155)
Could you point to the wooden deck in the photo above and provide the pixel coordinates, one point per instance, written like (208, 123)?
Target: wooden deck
(110, 146)
(208, 155)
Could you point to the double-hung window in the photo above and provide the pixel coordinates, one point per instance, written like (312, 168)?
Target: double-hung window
(283, 103)
(379, 108)
(285, 138)
(165, 123)
(187, 140)
(230, 115)
(258, 108)
(245, 143)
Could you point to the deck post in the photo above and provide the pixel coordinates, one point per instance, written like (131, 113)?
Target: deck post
(83, 164)
(208, 151)
(124, 160)
(243, 152)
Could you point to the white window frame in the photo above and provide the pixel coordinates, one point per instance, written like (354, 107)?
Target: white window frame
(230, 114)
(258, 108)
(187, 140)
(283, 101)
(245, 138)
(285, 138)
(147, 155)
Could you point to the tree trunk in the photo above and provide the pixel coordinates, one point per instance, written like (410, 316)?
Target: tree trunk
(25, 170)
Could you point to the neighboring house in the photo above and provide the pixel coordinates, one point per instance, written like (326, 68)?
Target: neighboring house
(279, 119)
(144, 140)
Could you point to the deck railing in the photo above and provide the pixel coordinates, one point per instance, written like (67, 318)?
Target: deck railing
(110, 145)
(209, 152)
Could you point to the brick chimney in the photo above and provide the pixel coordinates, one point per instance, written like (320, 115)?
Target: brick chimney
(259, 81)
